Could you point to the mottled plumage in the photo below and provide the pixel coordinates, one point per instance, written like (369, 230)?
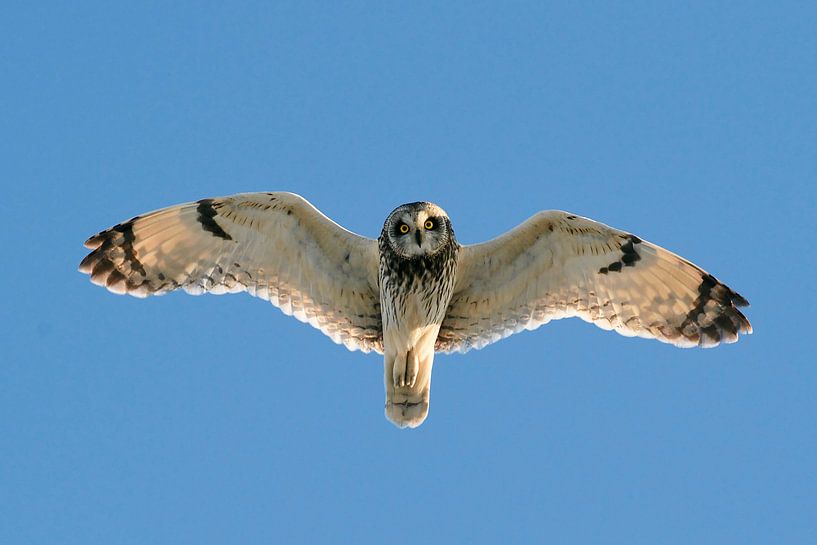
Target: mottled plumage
(415, 291)
(417, 275)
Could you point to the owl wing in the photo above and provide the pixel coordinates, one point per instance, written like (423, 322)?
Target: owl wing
(275, 246)
(557, 265)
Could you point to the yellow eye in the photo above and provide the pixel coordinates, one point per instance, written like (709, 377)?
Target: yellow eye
(429, 224)
(404, 228)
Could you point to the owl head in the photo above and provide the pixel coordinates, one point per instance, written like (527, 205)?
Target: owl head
(418, 229)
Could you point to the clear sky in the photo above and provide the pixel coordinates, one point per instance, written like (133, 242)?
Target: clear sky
(198, 420)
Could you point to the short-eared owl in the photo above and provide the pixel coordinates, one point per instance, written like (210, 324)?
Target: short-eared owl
(416, 291)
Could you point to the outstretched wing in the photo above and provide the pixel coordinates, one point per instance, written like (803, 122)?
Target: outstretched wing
(556, 265)
(276, 246)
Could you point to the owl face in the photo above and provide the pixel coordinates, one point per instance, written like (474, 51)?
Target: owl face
(418, 229)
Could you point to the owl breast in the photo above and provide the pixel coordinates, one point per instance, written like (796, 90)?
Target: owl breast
(415, 293)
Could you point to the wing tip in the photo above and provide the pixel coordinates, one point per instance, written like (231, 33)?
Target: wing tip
(86, 266)
(95, 241)
(738, 300)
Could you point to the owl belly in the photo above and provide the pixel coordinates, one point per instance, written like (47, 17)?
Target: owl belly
(411, 322)
(408, 322)
(412, 319)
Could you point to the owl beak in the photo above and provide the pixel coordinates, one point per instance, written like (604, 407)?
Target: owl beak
(418, 237)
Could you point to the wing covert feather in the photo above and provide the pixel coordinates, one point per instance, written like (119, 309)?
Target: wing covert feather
(557, 265)
(275, 246)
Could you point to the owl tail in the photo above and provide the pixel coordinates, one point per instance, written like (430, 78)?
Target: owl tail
(408, 387)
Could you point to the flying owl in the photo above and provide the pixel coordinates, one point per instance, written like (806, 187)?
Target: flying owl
(415, 290)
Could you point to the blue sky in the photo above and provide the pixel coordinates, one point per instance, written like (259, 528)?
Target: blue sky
(210, 419)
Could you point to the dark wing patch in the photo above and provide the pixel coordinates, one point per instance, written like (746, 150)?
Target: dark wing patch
(629, 256)
(207, 213)
(115, 244)
(714, 318)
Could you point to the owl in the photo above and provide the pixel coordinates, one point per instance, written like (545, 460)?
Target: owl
(416, 291)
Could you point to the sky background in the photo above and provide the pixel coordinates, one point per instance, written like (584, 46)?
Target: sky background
(198, 420)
